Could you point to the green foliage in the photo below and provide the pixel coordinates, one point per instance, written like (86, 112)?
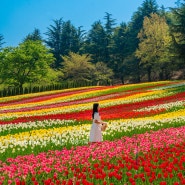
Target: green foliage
(28, 63)
(36, 35)
(136, 23)
(102, 73)
(54, 40)
(77, 68)
(63, 38)
(178, 30)
(1, 41)
(113, 45)
(155, 41)
(96, 42)
(120, 65)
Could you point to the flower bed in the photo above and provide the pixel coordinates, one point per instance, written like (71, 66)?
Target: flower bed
(44, 137)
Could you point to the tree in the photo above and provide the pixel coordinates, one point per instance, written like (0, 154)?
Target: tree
(71, 38)
(28, 63)
(178, 31)
(147, 7)
(77, 68)
(96, 42)
(35, 35)
(109, 28)
(102, 73)
(155, 42)
(1, 41)
(54, 41)
(63, 38)
(120, 50)
(3, 63)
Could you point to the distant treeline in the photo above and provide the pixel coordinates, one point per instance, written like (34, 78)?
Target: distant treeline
(11, 91)
(149, 47)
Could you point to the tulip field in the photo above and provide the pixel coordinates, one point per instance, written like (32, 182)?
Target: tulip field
(44, 137)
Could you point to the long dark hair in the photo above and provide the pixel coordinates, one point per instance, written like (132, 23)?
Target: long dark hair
(95, 109)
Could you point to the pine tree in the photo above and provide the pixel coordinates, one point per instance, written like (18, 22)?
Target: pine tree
(34, 36)
(178, 30)
(1, 41)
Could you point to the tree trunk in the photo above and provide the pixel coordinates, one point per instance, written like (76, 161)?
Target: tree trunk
(122, 79)
(149, 69)
(21, 88)
(161, 74)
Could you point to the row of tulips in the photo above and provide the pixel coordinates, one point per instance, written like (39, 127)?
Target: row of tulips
(70, 96)
(129, 100)
(156, 157)
(84, 106)
(127, 110)
(40, 136)
(150, 95)
(40, 95)
(52, 94)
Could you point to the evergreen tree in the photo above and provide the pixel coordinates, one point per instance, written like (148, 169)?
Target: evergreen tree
(120, 51)
(54, 41)
(34, 36)
(1, 41)
(134, 26)
(63, 38)
(148, 7)
(109, 28)
(178, 30)
(95, 43)
(71, 38)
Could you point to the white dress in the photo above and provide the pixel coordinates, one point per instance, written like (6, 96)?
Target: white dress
(95, 133)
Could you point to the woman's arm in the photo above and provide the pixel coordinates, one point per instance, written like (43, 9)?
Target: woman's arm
(98, 121)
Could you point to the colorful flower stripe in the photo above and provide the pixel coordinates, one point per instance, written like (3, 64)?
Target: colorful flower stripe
(145, 169)
(123, 125)
(54, 94)
(173, 85)
(165, 106)
(82, 107)
(43, 137)
(88, 156)
(176, 97)
(77, 134)
(117, 111)
(10, 99)
(81, 101)
(71, 96)
(124, 88)
(20, 127)
(146, 103)
(57, 99)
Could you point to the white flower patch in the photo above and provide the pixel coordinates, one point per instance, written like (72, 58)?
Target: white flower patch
(34, 125)
(169, 86)
(163, 106)
(132, 124)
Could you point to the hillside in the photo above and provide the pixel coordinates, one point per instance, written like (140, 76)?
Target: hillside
(44, 137)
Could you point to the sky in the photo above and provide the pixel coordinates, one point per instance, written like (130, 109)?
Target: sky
(18, 18)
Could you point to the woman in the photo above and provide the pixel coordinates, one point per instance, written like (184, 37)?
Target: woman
(95, 133)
